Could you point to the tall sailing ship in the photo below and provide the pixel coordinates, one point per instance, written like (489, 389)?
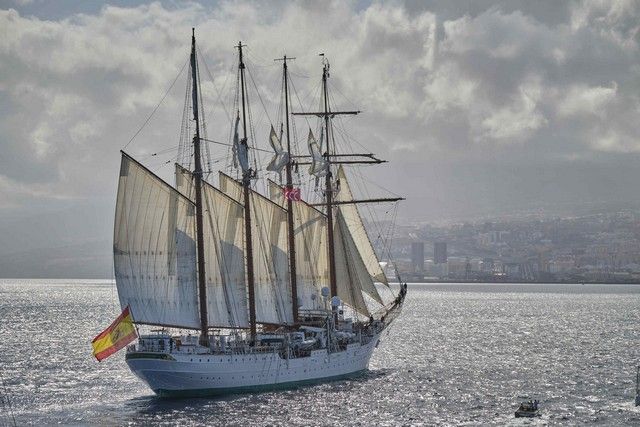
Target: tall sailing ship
(274, 290)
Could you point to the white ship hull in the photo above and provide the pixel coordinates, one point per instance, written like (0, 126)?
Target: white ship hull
(180, 374)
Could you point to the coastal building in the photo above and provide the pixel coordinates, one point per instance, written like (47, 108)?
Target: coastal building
(440, 252)
(417, 257)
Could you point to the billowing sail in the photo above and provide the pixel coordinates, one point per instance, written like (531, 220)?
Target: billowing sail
(223, 231)
(310, 239)
(352, 276)
(270, 255)
(310, 229)
(154, 249)
(358, 232)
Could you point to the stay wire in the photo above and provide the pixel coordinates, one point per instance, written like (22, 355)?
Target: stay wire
(259, 96)
(157, 106)
(336, 88)
(218, 91)
(262, 62)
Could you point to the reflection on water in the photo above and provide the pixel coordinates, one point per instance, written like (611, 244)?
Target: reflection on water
(458, 354)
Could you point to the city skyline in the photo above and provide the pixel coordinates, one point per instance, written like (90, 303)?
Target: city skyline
(596, 248)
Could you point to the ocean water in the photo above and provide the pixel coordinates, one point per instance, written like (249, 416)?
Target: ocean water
(458, 355)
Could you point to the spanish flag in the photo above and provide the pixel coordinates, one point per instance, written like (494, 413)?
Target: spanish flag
(120, 333)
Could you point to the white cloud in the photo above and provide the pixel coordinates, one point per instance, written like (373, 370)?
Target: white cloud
(520, 118)
(581, 99)
(76, 89)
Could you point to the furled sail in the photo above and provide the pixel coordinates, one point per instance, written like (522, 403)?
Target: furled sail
(240, 149)
(223, 230)
(154, 249)
(281, 156)
(310, 238)
(319, 166)
(358, 232)
(270, 254)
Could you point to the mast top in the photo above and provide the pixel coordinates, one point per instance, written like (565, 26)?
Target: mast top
(325, 66)
(239, 47)
(285, 58)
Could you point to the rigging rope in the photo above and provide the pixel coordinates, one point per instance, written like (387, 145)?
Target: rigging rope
(157, 106)
(218, 92)
(184, 144)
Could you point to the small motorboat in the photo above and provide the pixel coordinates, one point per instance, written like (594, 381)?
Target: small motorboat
(528, 409)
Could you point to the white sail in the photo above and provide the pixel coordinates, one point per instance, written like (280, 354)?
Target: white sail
(276, 193)
(310, 239)
(352, 277)
(154, 249)
(223, 232)
(270, 255)
(358, 232)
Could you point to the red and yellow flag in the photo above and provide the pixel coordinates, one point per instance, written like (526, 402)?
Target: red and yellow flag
(120, 333)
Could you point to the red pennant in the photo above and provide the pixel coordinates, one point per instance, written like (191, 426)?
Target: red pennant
(292, 194)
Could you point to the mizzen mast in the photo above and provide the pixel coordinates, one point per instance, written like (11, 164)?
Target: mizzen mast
(333, 158)
(246, 184)
(327, 114)
(197, 173)
(328, 191)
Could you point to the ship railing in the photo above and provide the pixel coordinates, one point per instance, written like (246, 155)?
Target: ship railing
(313, 313)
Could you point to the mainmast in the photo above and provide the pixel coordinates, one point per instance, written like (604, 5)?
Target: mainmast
(197, 173)
(246, 184)
(290, 225)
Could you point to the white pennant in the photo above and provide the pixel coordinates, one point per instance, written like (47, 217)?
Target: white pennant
(319, 165)
(240, 150)
(281, 157)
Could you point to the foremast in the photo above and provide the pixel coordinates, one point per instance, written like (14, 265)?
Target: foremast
(247, 175)
(197, 174)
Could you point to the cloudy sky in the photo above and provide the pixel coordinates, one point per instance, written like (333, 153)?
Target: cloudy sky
(482, 107)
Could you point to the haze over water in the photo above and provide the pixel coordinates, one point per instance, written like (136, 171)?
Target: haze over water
(459, 354)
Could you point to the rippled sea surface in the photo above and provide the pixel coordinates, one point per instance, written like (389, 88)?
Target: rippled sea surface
(458, 355)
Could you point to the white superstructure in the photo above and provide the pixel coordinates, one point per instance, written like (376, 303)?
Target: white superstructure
(179, 366)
